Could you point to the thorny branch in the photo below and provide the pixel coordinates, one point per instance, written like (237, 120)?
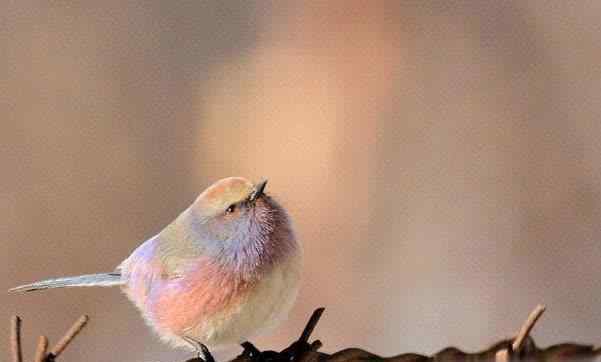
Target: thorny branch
(521, 348)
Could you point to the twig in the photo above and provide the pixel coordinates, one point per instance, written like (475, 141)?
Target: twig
(504, 355)
(311, 325)
(68, 337)
(15, 339)
(40, 352)
(518, 342)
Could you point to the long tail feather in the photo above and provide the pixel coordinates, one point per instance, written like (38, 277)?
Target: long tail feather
(89, 280)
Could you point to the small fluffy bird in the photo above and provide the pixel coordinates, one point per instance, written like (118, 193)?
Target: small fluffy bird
(225, 269)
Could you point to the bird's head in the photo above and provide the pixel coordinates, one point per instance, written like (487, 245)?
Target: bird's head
(229, 198)
(237, 216)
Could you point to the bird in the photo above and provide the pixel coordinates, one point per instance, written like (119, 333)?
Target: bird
(226, 269)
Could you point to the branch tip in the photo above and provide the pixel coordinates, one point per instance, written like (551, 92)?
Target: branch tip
(311, 325)
(524, 332)
(69, 336)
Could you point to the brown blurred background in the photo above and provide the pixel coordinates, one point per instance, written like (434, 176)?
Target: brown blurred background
(442, 162)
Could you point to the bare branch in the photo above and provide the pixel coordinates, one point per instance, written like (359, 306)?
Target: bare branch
(41, 350)
(518, 343)
(522, 348)
(504, 354)
(304, 338)
(68, 337)
(15, 339)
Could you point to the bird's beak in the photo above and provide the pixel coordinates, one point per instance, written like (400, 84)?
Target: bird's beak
(259, 188)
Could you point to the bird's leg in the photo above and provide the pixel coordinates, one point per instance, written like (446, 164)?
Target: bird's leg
(202, 351)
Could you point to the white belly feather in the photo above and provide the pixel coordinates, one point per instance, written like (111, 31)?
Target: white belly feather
(262, 309)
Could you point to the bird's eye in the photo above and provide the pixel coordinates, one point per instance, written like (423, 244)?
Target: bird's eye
(230, 209)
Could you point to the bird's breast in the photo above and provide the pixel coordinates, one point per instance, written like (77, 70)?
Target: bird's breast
(217, 306)
(178, 304)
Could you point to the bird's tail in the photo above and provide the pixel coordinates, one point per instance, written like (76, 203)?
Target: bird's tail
(89, 280)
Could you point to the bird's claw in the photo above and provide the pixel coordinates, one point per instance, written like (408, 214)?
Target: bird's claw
(202, 351)
(208, 357)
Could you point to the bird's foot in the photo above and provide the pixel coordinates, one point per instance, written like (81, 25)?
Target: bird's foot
(202, 351)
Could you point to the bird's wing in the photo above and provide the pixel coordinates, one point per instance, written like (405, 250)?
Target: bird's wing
(171, 252)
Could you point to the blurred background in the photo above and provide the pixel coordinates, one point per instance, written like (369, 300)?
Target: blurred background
(442, 162)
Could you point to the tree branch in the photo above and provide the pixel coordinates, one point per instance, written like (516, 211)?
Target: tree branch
(521, 348)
